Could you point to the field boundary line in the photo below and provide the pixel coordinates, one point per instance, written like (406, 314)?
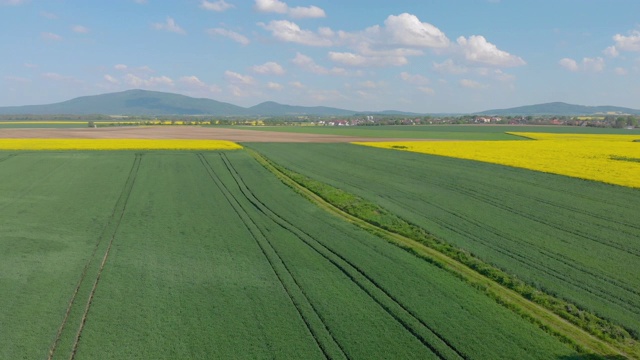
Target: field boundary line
(238, 208)
(540, 316)
(356, 275)
(121, 209)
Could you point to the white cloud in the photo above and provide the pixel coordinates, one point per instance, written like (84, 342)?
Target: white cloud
(471, 84)
(628, 43)
(192, 81)
(290, 32)
(30, 65)
(218, 6)
(50, 36)
(111, 79)
(477, 49)
(274, 86)
(416, 79)
(588, 64)
(80, 29)
(502, 76)
(170, 25)
(307, 63)
(306, 12)
(279, 7)
(268, 68)
(449, 67)
(611, 51)
(621, 71)
(569, 64)
(406, 29)
(271, 6)
(351, 59)
(593, 64)
(151, 82)
(297, 84)
(121, 67)
(239, 38)
(235, 78)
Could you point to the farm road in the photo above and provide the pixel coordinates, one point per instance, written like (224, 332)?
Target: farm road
(183, 132)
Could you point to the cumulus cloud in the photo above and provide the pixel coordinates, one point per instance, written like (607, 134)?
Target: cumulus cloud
(611, 51)
(306, 12)
(237, 37)
(271, 6)
(351, 59)
(279, 7)
(111, 79)
(449, 67)
(297, 84)
(406, 29)
(569, 64)
(274, 86)
(151, 82)
(80, 29)
(217, 6)
(236, 78)
(288, 31)
(587, 64)
(49, 36)
(121, 67)
(628, 43)
(307, 63)
(413, 78)
(192, 81)
(477, 49)
(268, 68)
(170, 25)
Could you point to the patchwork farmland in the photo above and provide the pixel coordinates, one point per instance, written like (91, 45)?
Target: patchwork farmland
(207, 254)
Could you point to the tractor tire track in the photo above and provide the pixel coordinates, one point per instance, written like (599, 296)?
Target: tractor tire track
(86, 267)
(110, 231)
(330, 347)
(400, 312)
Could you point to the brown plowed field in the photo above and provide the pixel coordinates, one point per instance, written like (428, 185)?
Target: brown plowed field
(182, 132)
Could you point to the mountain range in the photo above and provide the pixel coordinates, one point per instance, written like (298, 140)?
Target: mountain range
(144, 102)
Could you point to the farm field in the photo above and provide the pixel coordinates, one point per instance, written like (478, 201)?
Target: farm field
(573, 238)
(613, 159)
(179, 254)
(441, 132)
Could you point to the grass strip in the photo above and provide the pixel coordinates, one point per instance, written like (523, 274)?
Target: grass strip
(586, 331)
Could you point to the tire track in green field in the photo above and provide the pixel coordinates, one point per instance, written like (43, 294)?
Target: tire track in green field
(532, 263)
(314, 322)
(528, 261)
(109, 231)
(7, 157)
(424, 333)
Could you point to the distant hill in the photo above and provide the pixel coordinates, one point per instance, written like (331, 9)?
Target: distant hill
(271, 108)
(144, 102)
(131, 102)
(560, 108)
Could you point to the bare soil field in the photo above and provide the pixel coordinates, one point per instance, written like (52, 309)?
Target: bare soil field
(182, 132)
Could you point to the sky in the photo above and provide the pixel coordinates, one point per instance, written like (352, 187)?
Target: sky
(427, 56)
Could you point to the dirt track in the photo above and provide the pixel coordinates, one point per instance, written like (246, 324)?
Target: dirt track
(181, 132)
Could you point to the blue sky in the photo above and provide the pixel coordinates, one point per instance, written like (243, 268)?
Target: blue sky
(423, 56)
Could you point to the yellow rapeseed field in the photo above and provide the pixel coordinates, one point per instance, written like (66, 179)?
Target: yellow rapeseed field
(613, 159)
(116, 144)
